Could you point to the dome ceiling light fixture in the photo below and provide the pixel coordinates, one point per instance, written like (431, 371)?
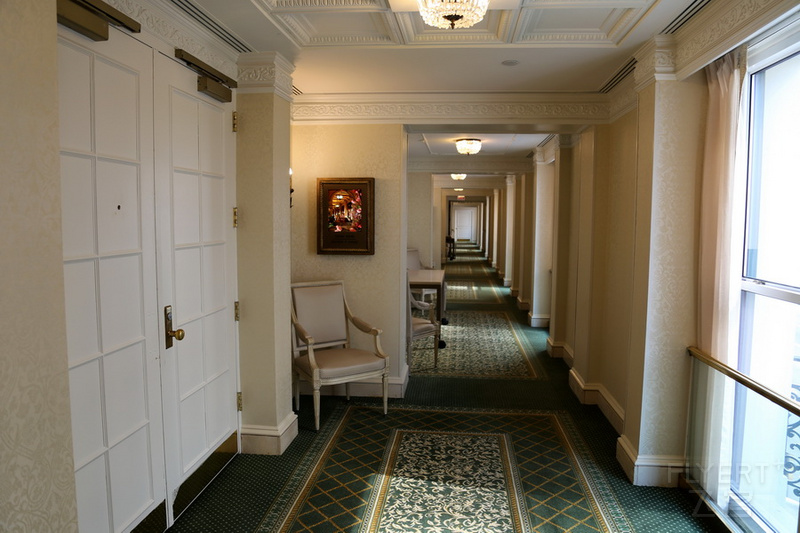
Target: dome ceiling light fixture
(468, 146)
(458, 177)
(452, 14)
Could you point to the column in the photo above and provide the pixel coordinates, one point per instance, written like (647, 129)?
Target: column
(264, 244)
(539, 315)
(670, 124)
(508, 272)
(558, 341)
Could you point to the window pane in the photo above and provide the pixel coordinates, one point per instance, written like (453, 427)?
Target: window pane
(765, 469)
(773, 247)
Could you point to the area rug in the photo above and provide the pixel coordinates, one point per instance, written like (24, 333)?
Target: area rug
(464, 268)
(462, 290)
(480, 344)
(447, 470)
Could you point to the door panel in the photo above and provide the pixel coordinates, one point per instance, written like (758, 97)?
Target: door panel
(194, 150)
(106, 109)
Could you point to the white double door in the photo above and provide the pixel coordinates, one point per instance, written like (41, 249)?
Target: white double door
(147, 193)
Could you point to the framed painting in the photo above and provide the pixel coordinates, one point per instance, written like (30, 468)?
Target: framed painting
(345, 216)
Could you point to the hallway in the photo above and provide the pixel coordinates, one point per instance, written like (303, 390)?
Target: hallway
(256, 493)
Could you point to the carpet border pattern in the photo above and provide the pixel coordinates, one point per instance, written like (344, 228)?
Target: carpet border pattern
(597, 490)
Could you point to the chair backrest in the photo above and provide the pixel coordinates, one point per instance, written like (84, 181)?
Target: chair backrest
(320, 309)
(413, 261)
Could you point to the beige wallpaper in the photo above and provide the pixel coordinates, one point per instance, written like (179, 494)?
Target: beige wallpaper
(420, 216)
(679, 115)
(615, 196)
(263, 244)
(373, 283)
(36, 471)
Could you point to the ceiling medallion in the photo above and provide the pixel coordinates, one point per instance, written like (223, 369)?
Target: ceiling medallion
(468, 146)
(452, 13)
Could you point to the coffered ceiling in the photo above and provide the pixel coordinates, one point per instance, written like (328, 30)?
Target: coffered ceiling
(383, 46)
(382, 49)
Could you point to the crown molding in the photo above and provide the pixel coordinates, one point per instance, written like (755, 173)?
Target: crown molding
(174, 29)
(437, 108)
(722, 26)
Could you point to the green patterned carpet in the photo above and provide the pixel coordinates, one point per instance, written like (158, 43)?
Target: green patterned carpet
(480, 344)
(561, 458)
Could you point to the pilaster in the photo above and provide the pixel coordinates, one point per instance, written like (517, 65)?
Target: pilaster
(264, 245)
(508, 273)
(670, 142)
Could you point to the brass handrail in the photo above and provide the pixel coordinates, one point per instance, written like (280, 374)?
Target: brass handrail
(788, 404)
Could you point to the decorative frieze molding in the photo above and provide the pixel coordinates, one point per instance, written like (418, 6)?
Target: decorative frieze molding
(176, 30)
(265, 72)
(655, 61)
(436, 108)
(721, 27)
(474, 165)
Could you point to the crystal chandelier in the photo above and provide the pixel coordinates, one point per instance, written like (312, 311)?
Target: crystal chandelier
(458, 177)
(452, 13)
(468, 146)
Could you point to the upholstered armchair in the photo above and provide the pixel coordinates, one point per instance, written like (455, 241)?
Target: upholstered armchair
(321, 351)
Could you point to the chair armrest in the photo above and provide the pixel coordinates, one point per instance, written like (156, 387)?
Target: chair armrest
(365, 326)
(302, 333)
(422, 306)
(375, 332)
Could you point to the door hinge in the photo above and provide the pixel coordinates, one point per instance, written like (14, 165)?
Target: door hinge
(235, 217)
(235, 121)
(238, 401)
(236, 311)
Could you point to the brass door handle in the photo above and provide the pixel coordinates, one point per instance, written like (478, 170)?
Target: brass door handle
(177, 334)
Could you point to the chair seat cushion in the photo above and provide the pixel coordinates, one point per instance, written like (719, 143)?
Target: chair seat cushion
(420, 326)
(339, 362)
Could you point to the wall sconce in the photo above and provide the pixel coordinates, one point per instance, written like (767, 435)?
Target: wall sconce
(291, 190)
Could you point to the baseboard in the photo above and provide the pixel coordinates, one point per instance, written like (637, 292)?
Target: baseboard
(523, 304)
(539, 321)
(649, 470)
(561, 350)
(269, 440)
(597, 394)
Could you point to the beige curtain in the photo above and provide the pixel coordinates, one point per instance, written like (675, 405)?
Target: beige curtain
(718, 259)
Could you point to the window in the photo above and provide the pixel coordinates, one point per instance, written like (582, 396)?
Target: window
(765, 476)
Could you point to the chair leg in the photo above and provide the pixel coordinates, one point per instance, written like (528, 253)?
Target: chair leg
(385, 393)
(316, 408)
(347, 391)
(296, 390)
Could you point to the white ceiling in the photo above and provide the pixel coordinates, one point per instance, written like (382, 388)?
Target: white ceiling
(382, 46)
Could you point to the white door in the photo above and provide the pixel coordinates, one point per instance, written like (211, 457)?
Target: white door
(107, 180)
(144, 417)
(465, 223)
(195, 195)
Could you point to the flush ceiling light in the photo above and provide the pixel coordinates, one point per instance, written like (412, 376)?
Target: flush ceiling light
(458, 177)
(468, 146)
(452, 13)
